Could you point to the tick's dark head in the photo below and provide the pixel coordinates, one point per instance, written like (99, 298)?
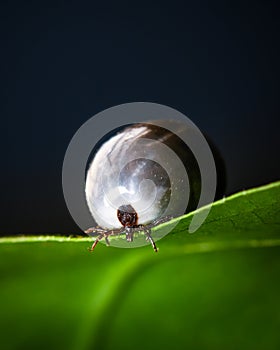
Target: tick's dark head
(127, 215)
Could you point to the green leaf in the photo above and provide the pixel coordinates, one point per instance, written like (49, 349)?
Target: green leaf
(217, 288)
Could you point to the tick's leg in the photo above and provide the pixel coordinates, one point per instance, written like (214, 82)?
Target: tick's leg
(112, 233)
(107, 240)
(90, 230)
(150, 239)
(97, 230)
(144, 228)
(95, 242)
(102, 233)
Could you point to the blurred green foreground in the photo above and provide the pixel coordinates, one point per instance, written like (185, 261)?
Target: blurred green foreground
(218, 288)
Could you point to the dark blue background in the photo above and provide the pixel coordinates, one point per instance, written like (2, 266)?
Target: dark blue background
(62, 62)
